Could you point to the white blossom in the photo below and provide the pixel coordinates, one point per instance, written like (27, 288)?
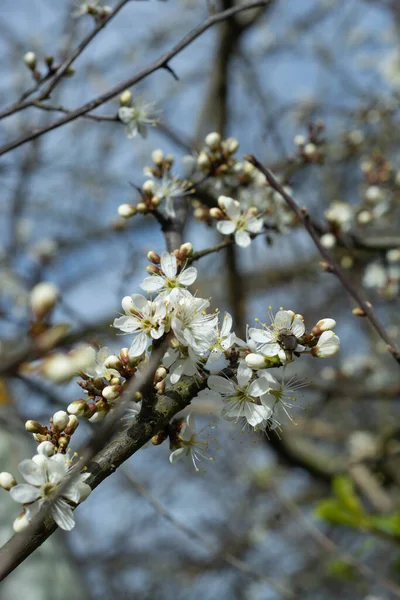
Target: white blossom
(225, 338)
(99, 368)
(144, 319)
(190, 444)
(191, 326)
(169, 279)
(242, 224)
(281, 337)
(280, 397)
(168, 189)
(181, 361)
(242, 397)
(341, 214)
(137, 118)
(44, 475)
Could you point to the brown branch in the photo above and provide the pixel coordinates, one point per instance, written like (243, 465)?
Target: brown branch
(331, 266)
(114, 91)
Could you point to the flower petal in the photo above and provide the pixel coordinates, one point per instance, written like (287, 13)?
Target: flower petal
(153, 284)
(139, 345)
(187, 276)
(226, 227)
(33, 473)
(24, 492)
(62, 514)
(168, 264)
(221, 385)
(254, 225)
(283, 319)
(298, 327)
(176, 455)
(242, 239)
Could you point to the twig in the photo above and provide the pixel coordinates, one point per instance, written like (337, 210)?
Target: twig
(114, 91)
(227, 557)
(331, 265)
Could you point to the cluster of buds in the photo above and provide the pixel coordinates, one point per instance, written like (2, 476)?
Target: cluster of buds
(216, 158)
(311, 147)
(56, 437)
(183, 254)
(31, 61)
(103, 384)
(94, 9)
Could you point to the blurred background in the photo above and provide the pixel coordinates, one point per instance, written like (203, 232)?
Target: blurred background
(154, 530)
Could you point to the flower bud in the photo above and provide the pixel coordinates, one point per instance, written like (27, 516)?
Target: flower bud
(78, 408)
(70, 71)
(73, 423)
(310, 149)
(157, 156)
(256, 361)
(60, 420)
(328, 345)
(186, 250)
(213, 140)
(7, 481)
(323, 325)
(63, 441)
(21, 523)
(113, 362)
(160, 386)
(49, 60)
(203, 161)
(153, 257)
(231, 145)
(148, 187)
(43, 298)
(216, 213)
(328, 240)
(98, 416)
(300, 140)
(159, 438)
(30, 59)
(201, 213)
(46, 448)
(126, 98)
(161, 374)
(39, 437)
(358, 312)
(111, 392)
(58, 368)
(141, 208)
(35, 427)
(124, 355)
(153, 270)
(126, 210)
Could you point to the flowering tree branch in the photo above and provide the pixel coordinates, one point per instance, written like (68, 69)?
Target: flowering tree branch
(160, 63)
(331, 266)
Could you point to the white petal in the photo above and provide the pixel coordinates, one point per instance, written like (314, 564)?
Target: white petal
(226, 325)
(258, 387)
(176, 372)
(232, 207)
(273, 383)
(283, 319)
(24, 493)
(188, 276)
(244, 373)
(226, 227)
(153, 284)
(170, 357)
(242, 239)
(261, 336)
(32, 472)
(221, 385)
(127, 324)
(255, 414)
(125, 114)
(57, 469)
(140, 303)
(139, 345)
(168, 264)
(298, 327)
(62, 514)
(176, 455)
(254, 225)
(270, 349)
(157, 333)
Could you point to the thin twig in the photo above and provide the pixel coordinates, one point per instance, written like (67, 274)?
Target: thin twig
(331, 266)
(227, 557)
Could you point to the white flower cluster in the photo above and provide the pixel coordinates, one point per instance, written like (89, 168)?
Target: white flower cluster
(198, 338)
(45, 474)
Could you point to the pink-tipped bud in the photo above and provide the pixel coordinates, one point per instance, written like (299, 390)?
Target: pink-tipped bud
(323, 325)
